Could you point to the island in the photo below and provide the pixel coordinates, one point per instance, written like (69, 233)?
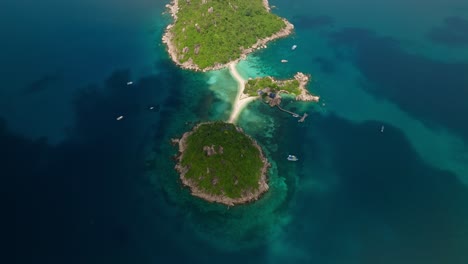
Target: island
(221, 164)
(217, 160)
(270, 89)
(210, 34)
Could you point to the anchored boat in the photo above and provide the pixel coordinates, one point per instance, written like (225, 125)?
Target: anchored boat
(292, 158)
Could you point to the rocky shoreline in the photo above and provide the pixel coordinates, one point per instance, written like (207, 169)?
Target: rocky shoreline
(305, 95)
(168, 37)
(182, 170)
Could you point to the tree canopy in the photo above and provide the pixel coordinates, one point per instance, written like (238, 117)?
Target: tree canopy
(216, 31)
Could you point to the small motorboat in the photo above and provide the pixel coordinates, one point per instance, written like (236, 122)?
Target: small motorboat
(120, 118)
(293, 47)
(382, 129)
(129, 83)
(154, 108)
(292, 158)
(284, 61)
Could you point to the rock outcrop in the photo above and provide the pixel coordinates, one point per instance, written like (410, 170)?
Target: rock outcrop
(305, 95)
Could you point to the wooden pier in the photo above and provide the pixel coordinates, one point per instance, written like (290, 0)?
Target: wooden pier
(302, 118)
(293, 114)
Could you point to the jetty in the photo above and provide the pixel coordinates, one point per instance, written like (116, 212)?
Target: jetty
(303, 118)
(293, 114)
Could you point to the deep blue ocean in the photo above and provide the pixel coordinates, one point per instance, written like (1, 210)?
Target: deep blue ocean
(81, 187)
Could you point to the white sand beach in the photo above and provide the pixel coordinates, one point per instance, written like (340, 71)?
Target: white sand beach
(242, 99)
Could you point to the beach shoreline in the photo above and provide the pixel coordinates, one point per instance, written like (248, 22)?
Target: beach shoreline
(168, 37)
(241, 100)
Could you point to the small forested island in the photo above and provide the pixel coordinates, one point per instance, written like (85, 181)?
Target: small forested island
(270, 89)
(209, 34)
(221, 164)
(258, 86)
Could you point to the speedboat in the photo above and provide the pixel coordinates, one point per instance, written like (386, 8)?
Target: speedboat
(284, 61)
(293, 47)
(292, 158)
(129, 83)
(119, 118)
(154, 108)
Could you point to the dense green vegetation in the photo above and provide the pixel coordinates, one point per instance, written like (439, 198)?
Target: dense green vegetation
(235, 169)
(221, 34)
(253, 85)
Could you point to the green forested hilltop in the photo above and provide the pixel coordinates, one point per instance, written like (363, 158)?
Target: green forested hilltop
(216, 31)
(254, 85)
(222, 160)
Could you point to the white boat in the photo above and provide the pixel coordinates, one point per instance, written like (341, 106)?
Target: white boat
(382, 129)
(293, 47)
(129, 83)
(284, 61)
(119, 118)
(292, 158)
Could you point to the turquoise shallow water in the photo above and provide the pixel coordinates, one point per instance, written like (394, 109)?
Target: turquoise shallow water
(95, 190)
